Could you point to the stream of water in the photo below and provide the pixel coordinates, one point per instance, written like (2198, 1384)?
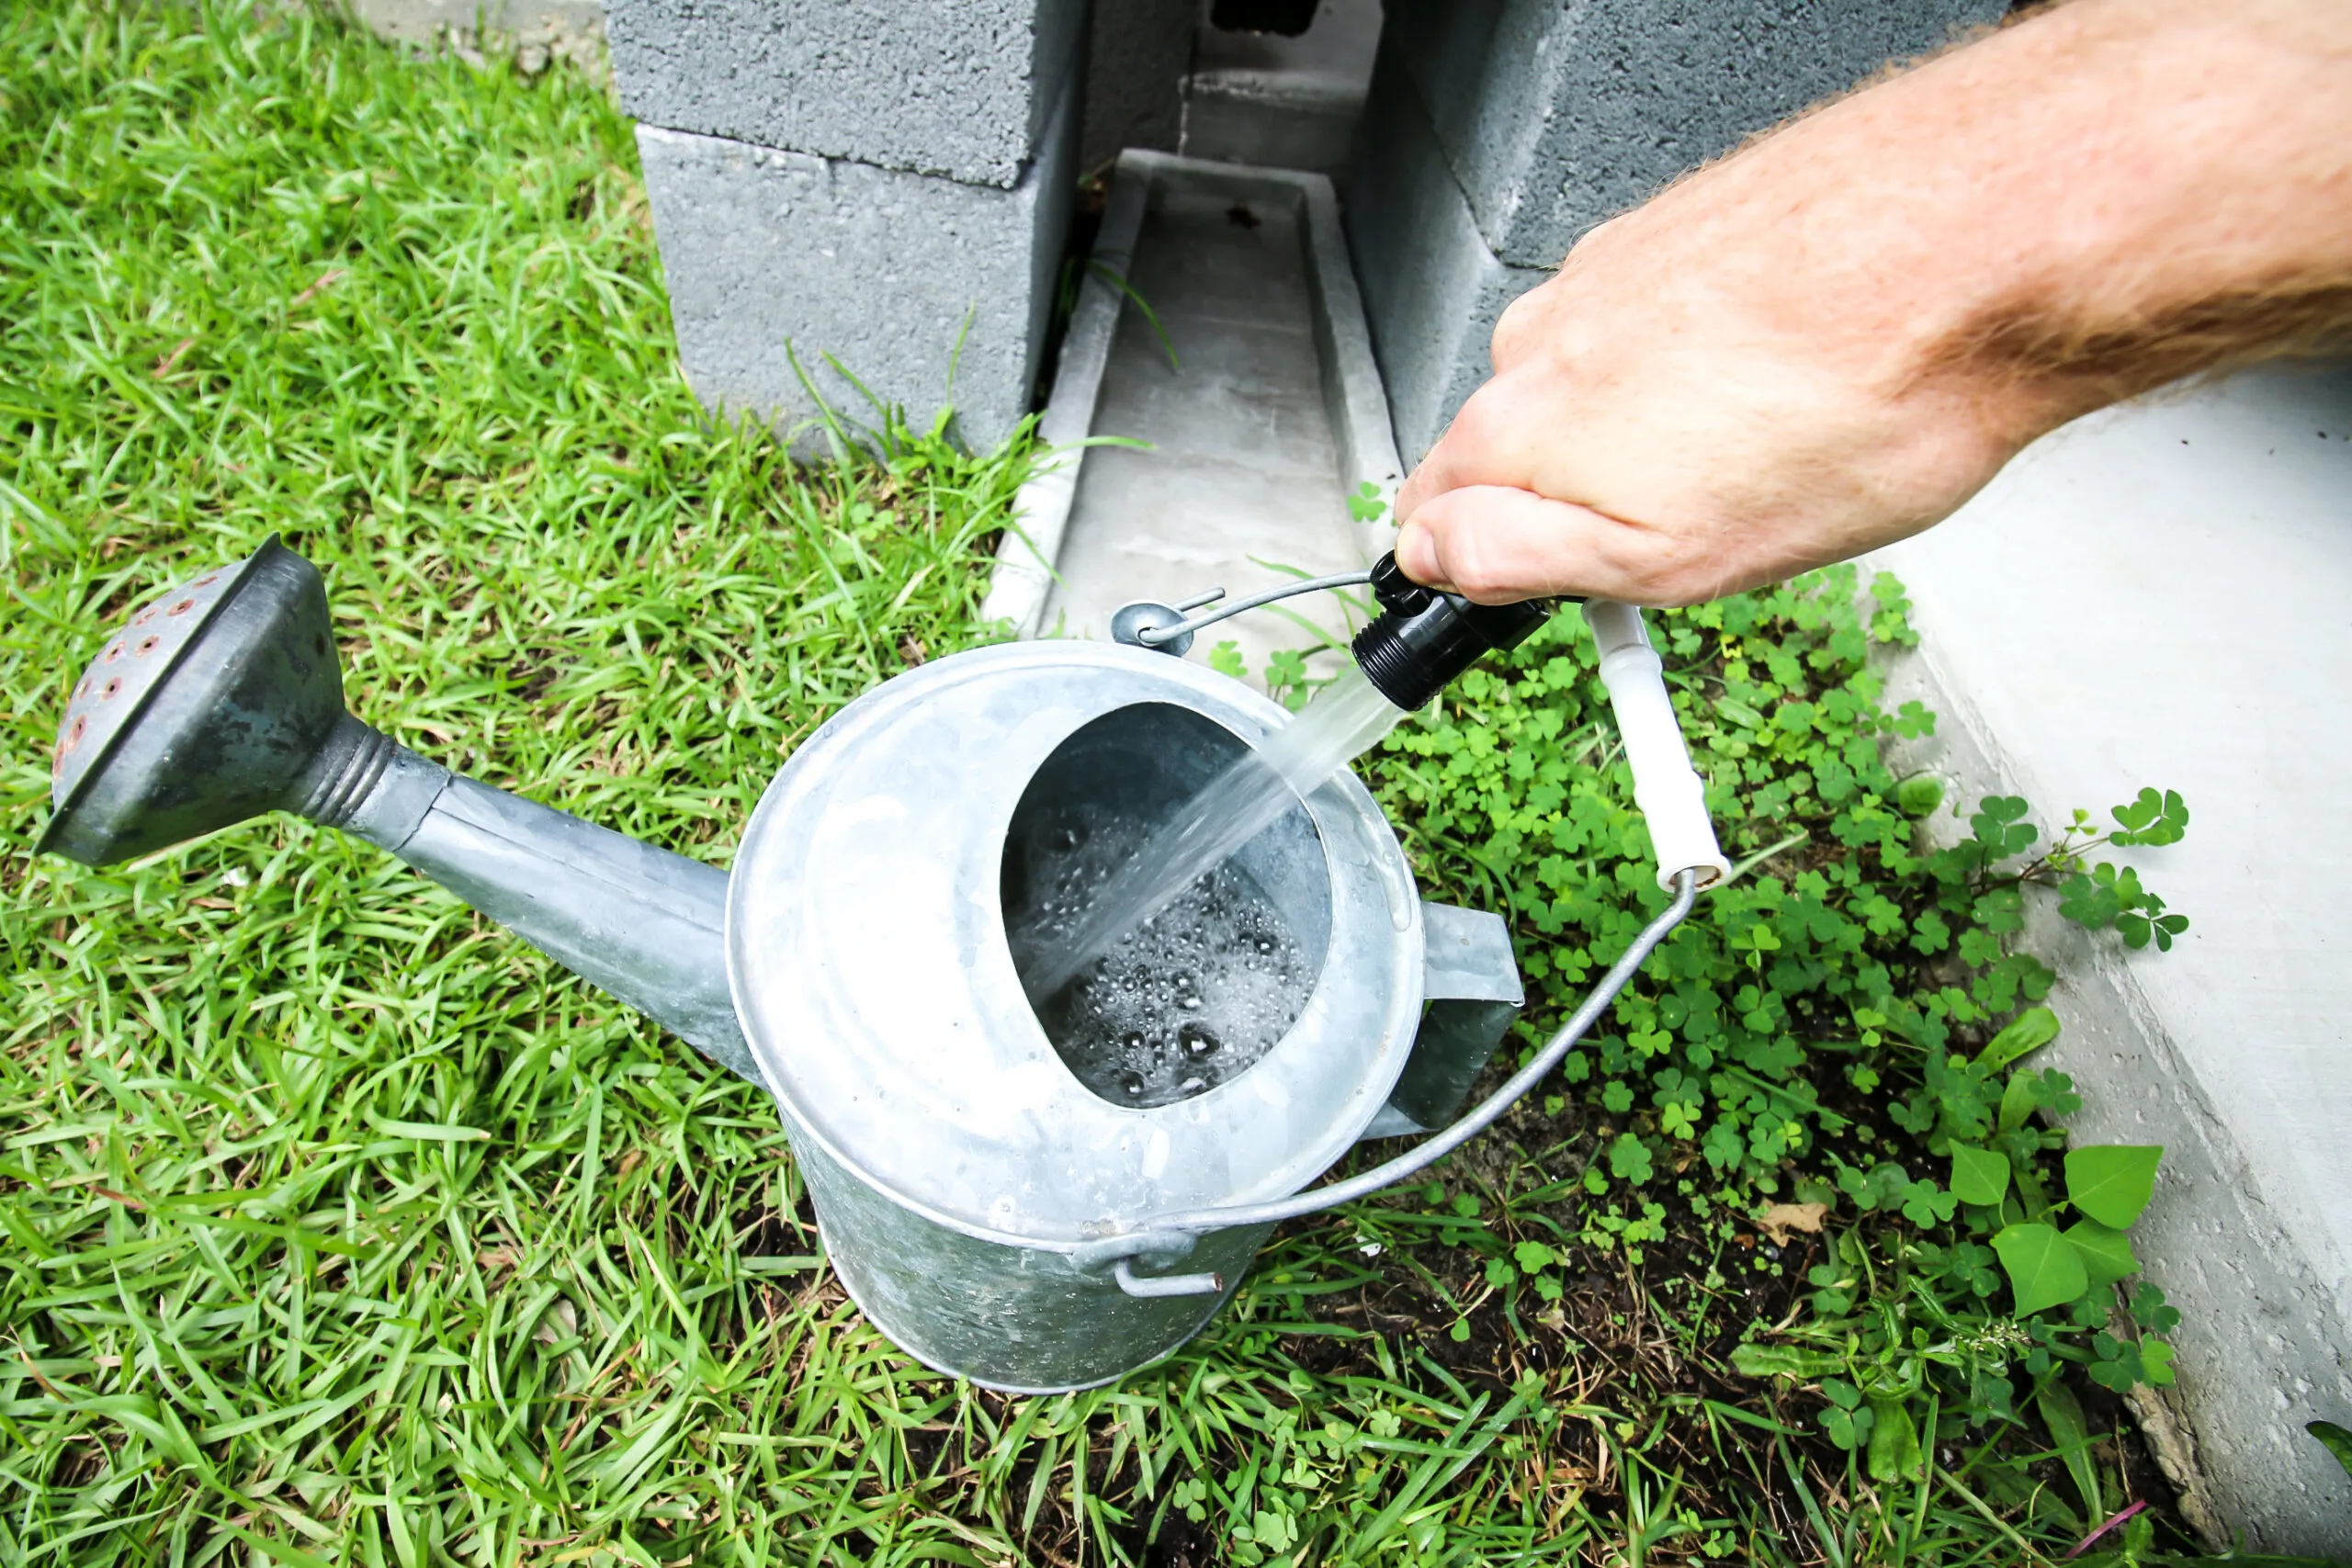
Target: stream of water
(1345, 718)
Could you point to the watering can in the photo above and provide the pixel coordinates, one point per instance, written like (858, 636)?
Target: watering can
(1002, 1211)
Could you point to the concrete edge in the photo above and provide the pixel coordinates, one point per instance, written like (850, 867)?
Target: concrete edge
(1026, 557)
(2245, 1292)
(1351, 385)
(1354, 398)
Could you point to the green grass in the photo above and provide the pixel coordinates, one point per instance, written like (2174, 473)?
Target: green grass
(342, 1228)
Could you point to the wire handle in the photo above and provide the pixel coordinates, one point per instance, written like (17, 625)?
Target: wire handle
(1428, 1152)
(1139, 623)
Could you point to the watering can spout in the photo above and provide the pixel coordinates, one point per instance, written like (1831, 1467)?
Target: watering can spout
(223, 700)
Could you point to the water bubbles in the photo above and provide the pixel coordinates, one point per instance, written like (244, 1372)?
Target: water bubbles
(1183, 1002)
(1185, 858)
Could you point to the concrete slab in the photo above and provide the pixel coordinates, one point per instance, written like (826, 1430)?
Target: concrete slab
(931, 292)
(1432, 290)
(1553, 117)
(1270, 417)
(2162, 596)
(535, 29)
(930, 86)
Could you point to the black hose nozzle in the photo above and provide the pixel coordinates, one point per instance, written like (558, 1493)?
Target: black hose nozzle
(1423, 639)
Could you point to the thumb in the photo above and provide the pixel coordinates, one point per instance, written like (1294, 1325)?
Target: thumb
(1496, 545)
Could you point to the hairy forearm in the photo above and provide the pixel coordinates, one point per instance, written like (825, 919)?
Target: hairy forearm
(1832, 337)
(2116, 194)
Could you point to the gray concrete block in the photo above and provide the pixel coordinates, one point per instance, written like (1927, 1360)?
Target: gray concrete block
(2155, 595)
(901, 278)
(1432, 290)
(933, 87)
(1556, 117)
(1137, 54)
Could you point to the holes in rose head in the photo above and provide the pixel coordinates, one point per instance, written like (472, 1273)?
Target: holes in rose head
(106, 692)
(73, 737)
(206, 581)
(182, 608)
(114, 653)
(146, 646)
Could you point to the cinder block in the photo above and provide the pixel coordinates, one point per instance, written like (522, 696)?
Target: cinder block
(931, 86)
(1556, 117)
(902, 278)
(1432, 290)
(1135, 54)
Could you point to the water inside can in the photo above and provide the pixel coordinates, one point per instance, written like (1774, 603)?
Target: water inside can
(1200, 992)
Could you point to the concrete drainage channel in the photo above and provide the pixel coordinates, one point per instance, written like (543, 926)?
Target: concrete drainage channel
(1218, 326)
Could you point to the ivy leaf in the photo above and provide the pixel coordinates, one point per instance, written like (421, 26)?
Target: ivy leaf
(2112, 1183)
(2027, 1033)
(2043, 1268)
(1979, 1175)
(2106, 1254)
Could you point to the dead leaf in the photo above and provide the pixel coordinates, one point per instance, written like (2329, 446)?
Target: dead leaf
(170, 362)
(1780, 1219)
(326, 280)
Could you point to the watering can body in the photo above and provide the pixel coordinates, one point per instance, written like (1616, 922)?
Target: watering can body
(988, 1210)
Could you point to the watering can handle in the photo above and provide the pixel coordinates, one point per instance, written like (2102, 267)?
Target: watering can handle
(1672, 801)
(1668, 790)
(1438, 1146)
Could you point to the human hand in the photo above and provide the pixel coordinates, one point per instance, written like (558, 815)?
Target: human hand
(1832, 338)
(1665, 426)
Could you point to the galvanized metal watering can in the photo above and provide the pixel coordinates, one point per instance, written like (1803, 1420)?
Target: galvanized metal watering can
(996, 1214)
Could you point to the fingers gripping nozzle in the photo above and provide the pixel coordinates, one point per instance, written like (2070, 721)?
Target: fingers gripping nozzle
(1423, 639)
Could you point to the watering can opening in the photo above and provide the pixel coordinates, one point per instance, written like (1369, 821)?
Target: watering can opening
(1204, 991)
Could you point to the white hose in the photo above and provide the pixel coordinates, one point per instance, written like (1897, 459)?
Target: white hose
(1669, 792)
